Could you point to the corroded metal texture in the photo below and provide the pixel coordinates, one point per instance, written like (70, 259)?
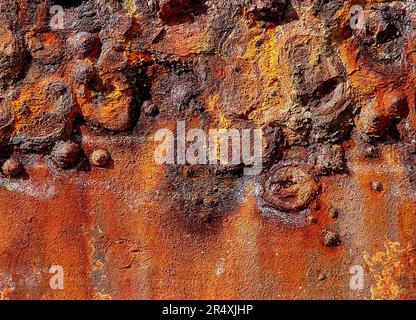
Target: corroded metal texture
(331, 215)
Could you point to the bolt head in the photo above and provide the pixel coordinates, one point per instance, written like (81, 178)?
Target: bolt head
(322, 276)
(12, 168)
(333, 213)
(311, 219)
(83, 42)
(150, 109)
(99, 158)
(83, 73)
(331, 238)
(376, 186)
(66, 154)
(371, 152)
(316, 206)
(290, 189)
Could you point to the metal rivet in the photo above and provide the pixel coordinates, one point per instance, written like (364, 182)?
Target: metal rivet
(12, 168)
(66, 154)
(99, 158)
(312, 219)
(331, 238)
(376, 186)
(333, 213)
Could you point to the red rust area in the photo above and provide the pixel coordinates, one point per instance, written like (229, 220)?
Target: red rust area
(80, 106)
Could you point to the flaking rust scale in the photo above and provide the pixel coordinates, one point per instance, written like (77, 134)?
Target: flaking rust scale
(91, 90)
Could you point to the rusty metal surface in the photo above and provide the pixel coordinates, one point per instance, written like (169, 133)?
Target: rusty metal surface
(80, 188)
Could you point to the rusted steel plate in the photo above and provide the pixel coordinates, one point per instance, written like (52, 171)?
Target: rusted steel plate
(88, 212)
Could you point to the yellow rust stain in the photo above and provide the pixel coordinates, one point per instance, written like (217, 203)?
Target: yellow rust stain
(387, 269)
(5, 293)
(130, 6)
(99, 296)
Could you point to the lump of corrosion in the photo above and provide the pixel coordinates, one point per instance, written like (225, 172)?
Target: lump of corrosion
(268, 9)
(318, 104)
(66, 154)
(329, 159)
(106, 99)
(11, 55)
(169, 8)
(82, 43)
(12, 167)
(43, 114)
(379, 115)
(331, 238)
(99, 158)
(290, 189)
